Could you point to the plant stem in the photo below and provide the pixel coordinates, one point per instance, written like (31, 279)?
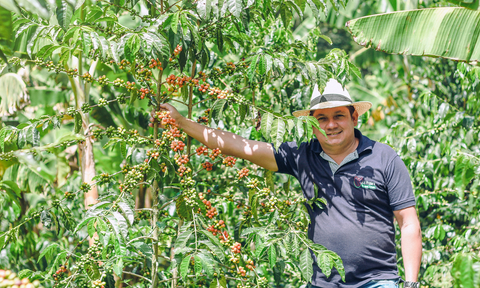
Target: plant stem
(155, 196)
(190, 107)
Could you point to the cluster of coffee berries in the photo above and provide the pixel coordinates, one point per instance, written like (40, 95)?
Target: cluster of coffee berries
(177, 145)
(176, 51)
(229, 68)
(102, 80)
(163, 117)
(153, 154)
(145, 92)
(155, 64)
(71, 111)
(241, 271)
(224, 237)
(215, 153)
(85, 187)
(143, 215)
(204, 87)
(123, 64)
(250, 265)
(105, 178)
(262, 282)
(60, 273)
(133, 176)
(144, 72)
(253, 183)
(189, 195)
(87, 77)
(212, 212)
(98, 284)
(207, 166)
(86, 108)
(236, 248)
(229, 161)
(69, 195)
(173, 133)
(130, 85)
(243, 173)
(102, 102)
(181, 159)
(234, 259)
(182, 170)
(187, 182)
(118, 82)
(202, 150)
(212, 229)
(9, 279)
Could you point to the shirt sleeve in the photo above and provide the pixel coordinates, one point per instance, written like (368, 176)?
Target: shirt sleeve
(285, 157)
(399, 185)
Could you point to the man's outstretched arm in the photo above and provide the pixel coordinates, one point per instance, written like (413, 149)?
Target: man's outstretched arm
(411, 241)
(257, 152)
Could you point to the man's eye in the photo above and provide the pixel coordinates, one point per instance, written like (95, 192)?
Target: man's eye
(321, 119)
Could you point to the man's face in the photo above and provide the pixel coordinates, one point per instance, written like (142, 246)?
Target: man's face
(338, 125)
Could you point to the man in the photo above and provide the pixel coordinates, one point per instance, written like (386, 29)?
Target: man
(365, 183)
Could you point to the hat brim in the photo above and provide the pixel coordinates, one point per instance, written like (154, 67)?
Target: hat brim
(361, 107)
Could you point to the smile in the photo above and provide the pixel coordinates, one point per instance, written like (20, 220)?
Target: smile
(333, 134)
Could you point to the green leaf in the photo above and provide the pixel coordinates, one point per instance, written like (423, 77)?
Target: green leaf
(122, 223)
(207, 263)
(272, 256)
(6, 28)
(306, 262)
(203, 8)
(10, 185)
(118, 267)
(184, 267)
(423, 32)
(132, 47)
(235, 7)
(127, 211)
(266, 124)
(252, 66)
(78, 123)
(277, 132)
(91, 228)
(198, 265)
(175, 21)
(325, 263)
(182, 239)
(217, 109)
(216, 249)
(463, 271)
(48, 252)
(64, 14)
(262, 65)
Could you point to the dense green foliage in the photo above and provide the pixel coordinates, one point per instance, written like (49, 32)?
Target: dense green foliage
(173, 213)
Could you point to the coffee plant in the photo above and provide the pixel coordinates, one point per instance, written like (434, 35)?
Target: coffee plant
(96, 194)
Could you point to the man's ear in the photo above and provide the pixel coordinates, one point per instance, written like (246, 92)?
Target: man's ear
(355, 118)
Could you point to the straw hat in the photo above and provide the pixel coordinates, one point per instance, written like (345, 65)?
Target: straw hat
(333, 96)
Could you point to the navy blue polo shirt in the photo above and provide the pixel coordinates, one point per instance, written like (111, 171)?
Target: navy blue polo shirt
(357, 222)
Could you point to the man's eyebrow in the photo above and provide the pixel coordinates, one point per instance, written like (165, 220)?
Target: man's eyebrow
(336, 112)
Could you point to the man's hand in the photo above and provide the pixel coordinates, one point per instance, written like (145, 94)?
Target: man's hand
(173, 113)
(257, 152)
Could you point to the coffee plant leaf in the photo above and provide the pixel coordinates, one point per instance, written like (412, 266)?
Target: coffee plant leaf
(184, 266)
(216, 251)
(277, 132)
(203, 8)
(48, 252)
(217, 109)
(325, 263)
(305, 265)
(183, 239)
(251, 230)
(118, 267)
(127, 211)
(207, 263)
(198, 267)
(272, 256)
(266, 124)
(64, 14)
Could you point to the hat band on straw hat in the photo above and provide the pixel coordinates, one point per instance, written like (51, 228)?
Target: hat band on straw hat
(329, 98)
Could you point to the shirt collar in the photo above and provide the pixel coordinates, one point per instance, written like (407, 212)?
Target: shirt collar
(364, 143)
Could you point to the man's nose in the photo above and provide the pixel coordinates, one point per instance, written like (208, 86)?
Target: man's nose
(331, 124)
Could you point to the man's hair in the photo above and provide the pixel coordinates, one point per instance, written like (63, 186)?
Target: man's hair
(350, 108)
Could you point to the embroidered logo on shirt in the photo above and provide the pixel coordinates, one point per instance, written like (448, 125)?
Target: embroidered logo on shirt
(358, 182)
